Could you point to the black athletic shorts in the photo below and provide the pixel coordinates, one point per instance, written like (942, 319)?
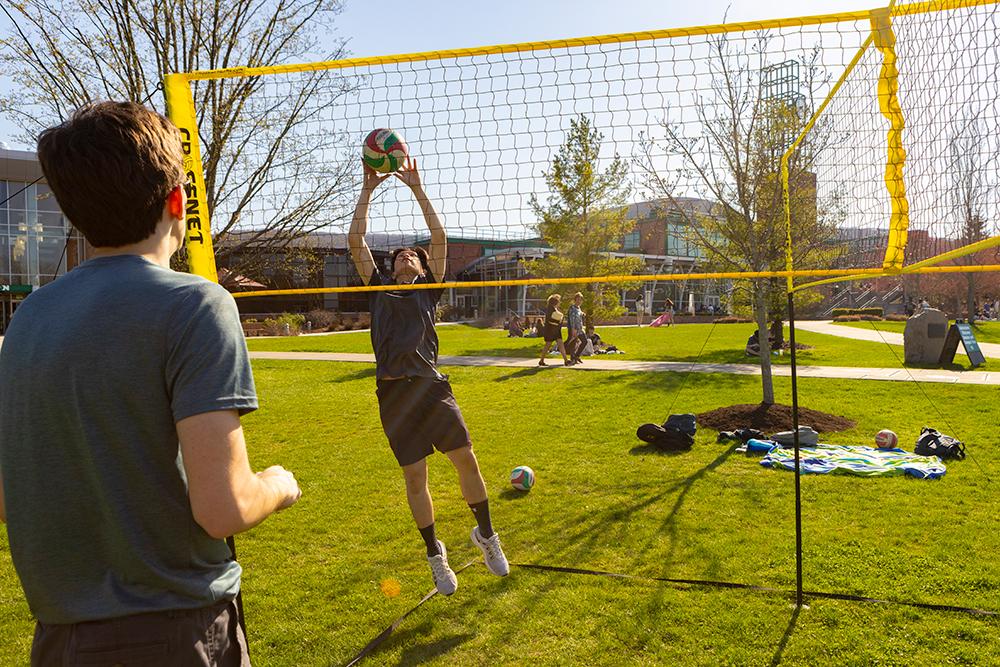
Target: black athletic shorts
(419, 414)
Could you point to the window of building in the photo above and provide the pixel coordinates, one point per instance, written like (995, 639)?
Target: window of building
(632, 241)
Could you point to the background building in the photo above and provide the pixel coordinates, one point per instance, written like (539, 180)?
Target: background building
(37, 243)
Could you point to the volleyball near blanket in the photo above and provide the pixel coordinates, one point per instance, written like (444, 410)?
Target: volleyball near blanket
(384, 150)
(886, 439)
(522, 478)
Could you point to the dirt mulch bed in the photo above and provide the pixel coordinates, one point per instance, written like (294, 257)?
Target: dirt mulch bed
(770, 418)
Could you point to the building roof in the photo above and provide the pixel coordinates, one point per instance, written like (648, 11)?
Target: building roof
(19, 166)
(648, 209)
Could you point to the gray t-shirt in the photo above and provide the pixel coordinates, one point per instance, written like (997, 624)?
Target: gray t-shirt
(95, 370)
(403, 335)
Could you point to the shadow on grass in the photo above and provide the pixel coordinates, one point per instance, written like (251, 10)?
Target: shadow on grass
(598, 524)
(513, 494)
(776, 660)
(418, 653)
(642, 450)
(421, 653)
(351, 377)
(523, 373)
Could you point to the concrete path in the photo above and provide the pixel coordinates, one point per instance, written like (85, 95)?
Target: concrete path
(595, 364)
(990, 350)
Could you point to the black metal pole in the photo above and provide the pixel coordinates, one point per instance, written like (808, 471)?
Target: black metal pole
(795, 440)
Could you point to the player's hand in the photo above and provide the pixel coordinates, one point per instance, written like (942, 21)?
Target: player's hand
(372, 178)
(283, 483)
(408, 173)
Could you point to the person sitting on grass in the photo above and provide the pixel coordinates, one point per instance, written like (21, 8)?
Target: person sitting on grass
(777, 336)
(416, 404)
(515, 329)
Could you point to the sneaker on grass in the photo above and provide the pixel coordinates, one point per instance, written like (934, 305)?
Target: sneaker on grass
(496, 562)
(444, 577)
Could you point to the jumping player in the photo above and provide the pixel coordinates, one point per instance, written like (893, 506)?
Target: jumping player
(416, 404)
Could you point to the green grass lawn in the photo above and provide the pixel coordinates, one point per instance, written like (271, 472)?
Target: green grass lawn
(723, 343)
(602, 501)
(986, 332)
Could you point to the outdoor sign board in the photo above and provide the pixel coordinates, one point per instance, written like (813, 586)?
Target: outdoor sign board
(962, 331)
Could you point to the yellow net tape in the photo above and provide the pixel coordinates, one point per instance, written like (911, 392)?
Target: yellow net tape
(888, 100)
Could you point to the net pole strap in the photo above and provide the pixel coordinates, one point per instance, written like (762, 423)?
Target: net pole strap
(198, 231)
(888, 102)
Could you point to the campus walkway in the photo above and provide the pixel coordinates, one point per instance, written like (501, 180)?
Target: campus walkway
(598, 364)
(990, 350)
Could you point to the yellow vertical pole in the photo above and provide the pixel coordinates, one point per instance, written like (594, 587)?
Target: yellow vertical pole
(198, 237)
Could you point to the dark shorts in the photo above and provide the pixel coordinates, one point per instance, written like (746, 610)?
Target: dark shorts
(208, 636)
(419, 414)
(552, 333)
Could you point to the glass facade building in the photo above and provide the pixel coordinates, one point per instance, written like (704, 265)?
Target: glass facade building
(37, 243)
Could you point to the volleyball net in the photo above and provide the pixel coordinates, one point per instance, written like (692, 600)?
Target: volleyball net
(807, 148)
(903, 152)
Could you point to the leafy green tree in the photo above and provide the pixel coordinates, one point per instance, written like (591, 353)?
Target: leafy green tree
(584, 220)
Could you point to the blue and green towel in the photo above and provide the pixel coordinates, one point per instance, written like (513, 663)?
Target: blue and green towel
(850, 460)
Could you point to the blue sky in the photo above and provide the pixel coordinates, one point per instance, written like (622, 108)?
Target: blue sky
(404, 26)
(445, 24)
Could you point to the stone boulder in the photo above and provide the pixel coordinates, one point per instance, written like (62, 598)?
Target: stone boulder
(923, 338)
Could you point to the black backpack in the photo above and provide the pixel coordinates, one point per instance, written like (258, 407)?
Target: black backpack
(932, 443)
(676, 434)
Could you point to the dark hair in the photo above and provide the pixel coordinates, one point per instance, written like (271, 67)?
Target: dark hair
(421, 253)
(111, 167)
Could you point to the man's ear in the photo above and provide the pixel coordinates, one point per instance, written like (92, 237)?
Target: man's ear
(175, 202)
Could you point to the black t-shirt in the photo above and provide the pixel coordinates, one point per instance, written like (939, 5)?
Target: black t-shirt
(403, 335)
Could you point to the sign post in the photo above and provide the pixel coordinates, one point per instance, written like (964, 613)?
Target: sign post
(961, 331)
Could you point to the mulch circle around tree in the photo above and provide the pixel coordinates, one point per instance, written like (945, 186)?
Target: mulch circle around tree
(770, 418)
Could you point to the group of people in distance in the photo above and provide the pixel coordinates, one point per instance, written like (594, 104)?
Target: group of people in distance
(123, 465)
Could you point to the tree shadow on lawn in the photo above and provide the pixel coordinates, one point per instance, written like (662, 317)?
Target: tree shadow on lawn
(667, 388)
(580, 537)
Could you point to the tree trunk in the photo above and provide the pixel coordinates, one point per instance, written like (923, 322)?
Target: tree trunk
(971, 298)
(760, 308)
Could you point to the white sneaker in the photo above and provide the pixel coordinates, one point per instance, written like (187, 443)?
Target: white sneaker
(496, 562)
(444, 577)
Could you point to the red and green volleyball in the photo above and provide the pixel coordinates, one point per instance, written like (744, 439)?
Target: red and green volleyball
(384, 150)
(522, 478)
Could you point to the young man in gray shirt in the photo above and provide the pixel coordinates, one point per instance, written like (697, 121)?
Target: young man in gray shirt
(123, 466)
(416, 404)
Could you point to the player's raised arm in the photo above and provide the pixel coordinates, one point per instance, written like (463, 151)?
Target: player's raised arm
(437, 257)
(360, 253)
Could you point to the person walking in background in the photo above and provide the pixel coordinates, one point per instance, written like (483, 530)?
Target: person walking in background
(640, 306)
(552, 329)
(575, 338)
(667, 318)
(123, 466)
